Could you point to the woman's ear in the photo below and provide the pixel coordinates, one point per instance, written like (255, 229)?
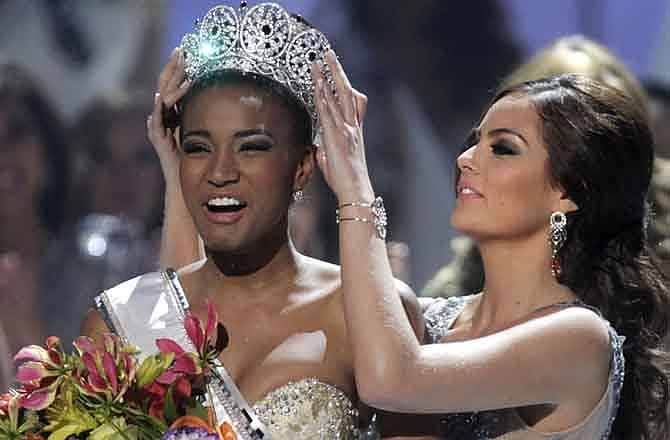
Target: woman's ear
(567, 205)
(305, 168)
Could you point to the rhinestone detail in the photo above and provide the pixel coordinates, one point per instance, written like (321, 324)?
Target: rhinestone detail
(485, 425)
(306, 410)
(265, 40)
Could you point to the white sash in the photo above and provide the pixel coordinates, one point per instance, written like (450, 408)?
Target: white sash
(153, 306)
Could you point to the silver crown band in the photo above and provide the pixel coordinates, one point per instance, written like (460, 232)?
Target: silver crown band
(265, 40)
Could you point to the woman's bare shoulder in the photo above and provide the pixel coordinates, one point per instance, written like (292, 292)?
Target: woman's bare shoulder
(330, 275)
(94, 325)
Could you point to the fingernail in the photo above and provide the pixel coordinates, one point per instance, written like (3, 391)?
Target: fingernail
(157, 97)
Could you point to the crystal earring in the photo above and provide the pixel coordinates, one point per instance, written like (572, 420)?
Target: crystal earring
(298, 195)
(557, 236)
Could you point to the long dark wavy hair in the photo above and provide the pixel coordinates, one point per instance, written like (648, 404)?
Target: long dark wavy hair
(601, 154)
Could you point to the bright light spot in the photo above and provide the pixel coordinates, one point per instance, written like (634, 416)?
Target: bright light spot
(96, 245)
(207, 49)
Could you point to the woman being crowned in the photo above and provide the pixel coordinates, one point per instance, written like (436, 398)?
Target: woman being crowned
(244, 150)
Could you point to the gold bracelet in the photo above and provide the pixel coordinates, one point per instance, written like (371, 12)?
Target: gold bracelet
(379, 219)
(339, 219)
(355, 204)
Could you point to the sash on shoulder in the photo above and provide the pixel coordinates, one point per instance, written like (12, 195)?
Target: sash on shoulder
(154, 306)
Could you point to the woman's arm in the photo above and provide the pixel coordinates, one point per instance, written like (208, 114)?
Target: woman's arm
(531, 363)
(180, 242)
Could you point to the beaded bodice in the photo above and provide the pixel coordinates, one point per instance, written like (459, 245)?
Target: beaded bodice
(308, 409)
(152, 306)
(506, 424)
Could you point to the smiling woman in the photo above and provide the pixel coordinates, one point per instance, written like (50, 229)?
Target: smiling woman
(244, 145)
(566, 339)
(505, 154)
(239, 166)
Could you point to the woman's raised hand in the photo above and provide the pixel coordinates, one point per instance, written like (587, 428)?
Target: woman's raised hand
(341, 155)
(172, 86)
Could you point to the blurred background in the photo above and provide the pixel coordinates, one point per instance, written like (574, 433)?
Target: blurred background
(81, 189)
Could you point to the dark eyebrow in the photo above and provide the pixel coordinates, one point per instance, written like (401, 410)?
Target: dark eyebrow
(508, 131)
(253, 132)
(238, 135)
(200, 133)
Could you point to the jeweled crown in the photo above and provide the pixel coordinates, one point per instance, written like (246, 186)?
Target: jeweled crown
(264, 40)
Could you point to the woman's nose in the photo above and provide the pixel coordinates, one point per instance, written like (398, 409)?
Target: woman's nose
(224, 168)
(466, 161)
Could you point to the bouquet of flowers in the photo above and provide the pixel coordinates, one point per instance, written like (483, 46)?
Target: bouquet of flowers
(104, 393)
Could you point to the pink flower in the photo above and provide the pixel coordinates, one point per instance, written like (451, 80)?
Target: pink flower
(34, 353)
(40, 398)
(4, 403)
(184, 363)
(207, 347)
(109, 372)
(41, 373)
(194, 331)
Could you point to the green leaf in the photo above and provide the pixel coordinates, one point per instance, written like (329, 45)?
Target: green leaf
(169, 406)
(64, 432)
(115, 429)
(196, 409)
(152, 367)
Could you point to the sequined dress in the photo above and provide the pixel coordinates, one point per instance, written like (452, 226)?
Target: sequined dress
(152, 306)
(507, 424)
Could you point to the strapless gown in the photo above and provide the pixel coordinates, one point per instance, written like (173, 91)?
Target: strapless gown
(507, 424)
(153, 306)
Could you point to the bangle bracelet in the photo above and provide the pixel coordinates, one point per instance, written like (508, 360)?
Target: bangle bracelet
(339, 219)
(379, 217)
(355, 204)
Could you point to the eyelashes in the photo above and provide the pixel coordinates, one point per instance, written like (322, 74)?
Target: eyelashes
(256, 146)
(199, 147)
(195, 147)
(499, 145)
(503, 149)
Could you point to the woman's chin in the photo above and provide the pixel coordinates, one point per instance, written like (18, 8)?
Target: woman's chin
(461, 223)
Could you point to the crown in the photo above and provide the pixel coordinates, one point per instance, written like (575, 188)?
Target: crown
(265, 40)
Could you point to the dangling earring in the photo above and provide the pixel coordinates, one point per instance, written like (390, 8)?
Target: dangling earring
(298, 195)
(557, 236)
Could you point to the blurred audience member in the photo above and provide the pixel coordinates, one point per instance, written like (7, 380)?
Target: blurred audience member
(6, 376)
(33, 181)
(115, 162)
(659, 111)
(578, 54)
(462, 276)
(659, 228)
(118, 204)
(427, 76)
(79, 49)
(572, 54)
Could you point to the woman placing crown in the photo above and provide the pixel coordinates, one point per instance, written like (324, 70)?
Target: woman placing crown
(565, 340)
(246, 127)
